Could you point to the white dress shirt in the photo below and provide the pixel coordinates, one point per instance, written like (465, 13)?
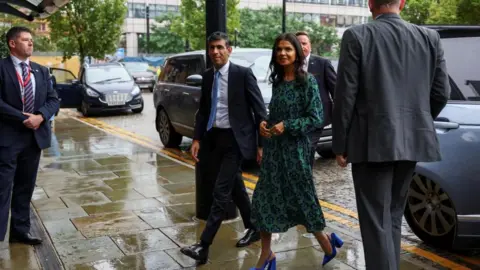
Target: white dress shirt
(221, 117)
(305, 64)
(18, 68)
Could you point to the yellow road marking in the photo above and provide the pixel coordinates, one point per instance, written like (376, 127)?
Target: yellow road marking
(146, 142)
(433, 257)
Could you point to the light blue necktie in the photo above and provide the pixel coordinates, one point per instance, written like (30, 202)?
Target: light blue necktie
(213, 109)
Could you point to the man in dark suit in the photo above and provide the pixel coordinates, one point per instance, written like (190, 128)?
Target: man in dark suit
(226, 132)
(323, 71)
(27, 102)
(392, 83)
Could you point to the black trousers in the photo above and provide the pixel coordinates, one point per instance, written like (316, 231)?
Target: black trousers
(224, 161)
(314, 137)
(18, 171)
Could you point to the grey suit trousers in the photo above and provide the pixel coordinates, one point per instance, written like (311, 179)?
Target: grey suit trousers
(381, 192)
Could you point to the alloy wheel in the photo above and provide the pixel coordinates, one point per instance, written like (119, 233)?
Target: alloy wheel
(430, 207)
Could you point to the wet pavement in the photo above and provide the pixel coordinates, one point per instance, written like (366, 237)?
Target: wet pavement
(111, 203)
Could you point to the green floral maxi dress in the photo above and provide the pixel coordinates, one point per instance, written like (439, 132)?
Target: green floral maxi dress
(285, 194)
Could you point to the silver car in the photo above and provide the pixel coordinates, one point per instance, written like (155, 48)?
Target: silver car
(442, 207)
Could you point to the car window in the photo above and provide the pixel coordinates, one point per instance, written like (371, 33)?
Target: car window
(62, 76)
(195, 66)
(462, 56)
(169, 72)
(104, 74)
(258, 61)
(181, 69)
(136, 67)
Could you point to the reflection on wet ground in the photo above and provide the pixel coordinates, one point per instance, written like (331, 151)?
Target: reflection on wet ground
(107, 203)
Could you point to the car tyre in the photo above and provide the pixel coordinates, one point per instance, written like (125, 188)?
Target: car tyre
(169, 137)
(139, 110)
(325, 153)
(426, 200)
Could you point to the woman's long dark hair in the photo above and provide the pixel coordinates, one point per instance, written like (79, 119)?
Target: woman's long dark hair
(277, 71)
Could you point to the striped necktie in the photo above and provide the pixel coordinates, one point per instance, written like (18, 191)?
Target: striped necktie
(28, 99)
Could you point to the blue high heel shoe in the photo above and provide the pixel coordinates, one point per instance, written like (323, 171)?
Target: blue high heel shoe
(336, 242)
(269, 264)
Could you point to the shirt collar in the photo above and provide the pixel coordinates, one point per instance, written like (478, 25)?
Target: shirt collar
(17, 61)
(223, 70)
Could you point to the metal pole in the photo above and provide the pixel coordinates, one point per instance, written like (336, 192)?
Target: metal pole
(236, 33)
(148, 28)
(216, 20)
(284, 16)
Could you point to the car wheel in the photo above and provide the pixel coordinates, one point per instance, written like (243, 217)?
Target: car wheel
(139, 110)
(169, 137)
(326, 153)
(84, 109)
(430, 212)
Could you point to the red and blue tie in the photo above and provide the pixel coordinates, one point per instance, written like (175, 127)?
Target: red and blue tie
(28, 99)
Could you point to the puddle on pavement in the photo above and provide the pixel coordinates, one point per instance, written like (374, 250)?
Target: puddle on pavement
(146, 241)
(109, 224)
(162, 217)
(187, 198)
(18, 256)
(88, 250)
(123, 195)
(122, 206)
(151, 260)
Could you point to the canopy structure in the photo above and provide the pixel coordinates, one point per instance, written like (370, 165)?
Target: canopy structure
(37, 8)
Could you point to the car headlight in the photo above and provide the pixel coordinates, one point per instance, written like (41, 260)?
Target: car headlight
(135, 91)
(92, 93)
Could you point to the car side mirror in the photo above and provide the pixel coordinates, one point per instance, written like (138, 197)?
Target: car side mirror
(194, 80)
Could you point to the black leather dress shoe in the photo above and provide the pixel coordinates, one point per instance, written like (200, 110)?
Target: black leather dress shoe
(25, 239)
(196, 252)
(250, 237)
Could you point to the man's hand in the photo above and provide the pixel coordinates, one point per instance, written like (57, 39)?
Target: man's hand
(264, 131)
(341, 161)
(194, 150)
(259, 155)
(34, 121)
(278, 129)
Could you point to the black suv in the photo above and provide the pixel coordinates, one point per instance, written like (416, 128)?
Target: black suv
(101, 87)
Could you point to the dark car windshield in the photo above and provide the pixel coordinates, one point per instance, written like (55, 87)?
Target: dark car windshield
(107, 74)
(462, 56)
(136, 67)
(258, 61)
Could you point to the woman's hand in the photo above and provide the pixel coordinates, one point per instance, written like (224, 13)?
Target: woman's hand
(264, 131)
(278, 129)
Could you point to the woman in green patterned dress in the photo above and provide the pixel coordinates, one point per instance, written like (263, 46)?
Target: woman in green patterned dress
(285, 194)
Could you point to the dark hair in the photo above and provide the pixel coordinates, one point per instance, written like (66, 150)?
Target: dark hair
(215, 36)
(14, 32)
(277, 71)
(302, 33)
(380, 3)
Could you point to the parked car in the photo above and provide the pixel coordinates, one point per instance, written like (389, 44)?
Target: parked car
(101, 88)
(177, 92)
(442, 207)
(143, 76)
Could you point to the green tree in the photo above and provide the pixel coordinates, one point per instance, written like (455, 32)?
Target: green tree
(190, 25)
(259, 29)
(162, 39)
(469, 11)
(444, 12)
(88, 27)
(417, 11)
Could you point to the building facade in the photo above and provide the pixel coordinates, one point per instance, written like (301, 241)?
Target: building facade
(338, 13)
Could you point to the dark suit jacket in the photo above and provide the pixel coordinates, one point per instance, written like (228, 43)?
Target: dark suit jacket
(392, 83)
(326, 77)
(246, 108)
(11, 116)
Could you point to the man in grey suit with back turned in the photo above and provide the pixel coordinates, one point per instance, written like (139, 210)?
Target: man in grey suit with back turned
(392, 83)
